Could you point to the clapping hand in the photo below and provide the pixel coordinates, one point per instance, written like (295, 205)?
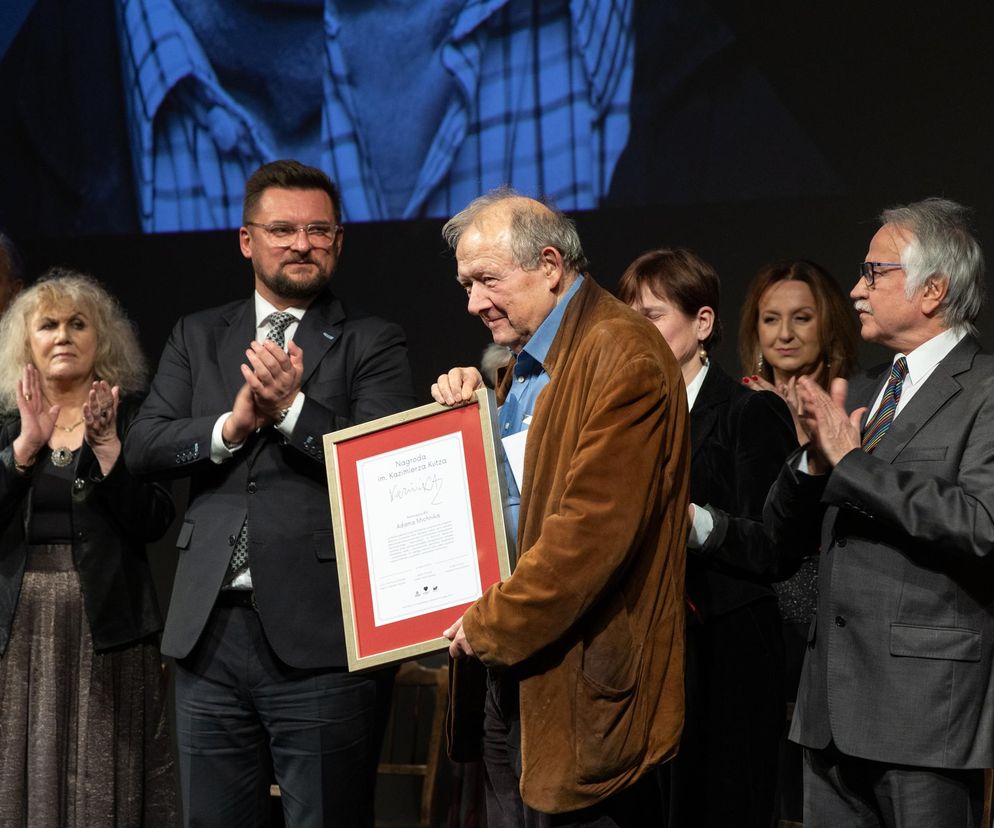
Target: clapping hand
(100, 424)
(787, 391)
(823, 415)
(37, 417)
(275, 376)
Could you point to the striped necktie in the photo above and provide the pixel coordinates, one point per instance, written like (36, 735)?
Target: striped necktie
(880, 422)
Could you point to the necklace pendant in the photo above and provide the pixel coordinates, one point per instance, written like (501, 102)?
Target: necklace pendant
(61, 456)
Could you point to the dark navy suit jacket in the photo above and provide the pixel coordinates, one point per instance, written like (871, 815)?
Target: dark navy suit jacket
(355, 369)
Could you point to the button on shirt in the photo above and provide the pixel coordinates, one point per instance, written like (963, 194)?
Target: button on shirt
(530, 377)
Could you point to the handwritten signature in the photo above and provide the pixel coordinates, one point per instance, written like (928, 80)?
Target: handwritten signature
(430, 484)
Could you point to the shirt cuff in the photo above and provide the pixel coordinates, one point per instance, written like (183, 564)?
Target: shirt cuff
(220, 451)
(700, 528)
(802, 465)
(292, 415)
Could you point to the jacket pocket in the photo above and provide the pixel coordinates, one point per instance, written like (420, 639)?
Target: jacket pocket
(185, 533)
(610, 728)
(324, 545)
(950, 643)
(916, 454)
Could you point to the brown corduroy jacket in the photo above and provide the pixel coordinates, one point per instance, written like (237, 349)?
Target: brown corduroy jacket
(592, 618)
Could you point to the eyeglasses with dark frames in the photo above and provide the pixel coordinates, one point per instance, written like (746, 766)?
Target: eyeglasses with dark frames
(869, 271)
(284, 234)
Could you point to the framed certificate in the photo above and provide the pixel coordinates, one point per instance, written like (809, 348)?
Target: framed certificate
(419, 525)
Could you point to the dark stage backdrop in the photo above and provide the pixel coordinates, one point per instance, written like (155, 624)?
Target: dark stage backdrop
(758, 130)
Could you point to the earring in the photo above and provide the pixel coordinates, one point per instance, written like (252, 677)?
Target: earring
(703, 354)
(760, 365)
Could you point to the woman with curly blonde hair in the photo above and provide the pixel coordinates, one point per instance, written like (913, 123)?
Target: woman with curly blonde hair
(83, 737)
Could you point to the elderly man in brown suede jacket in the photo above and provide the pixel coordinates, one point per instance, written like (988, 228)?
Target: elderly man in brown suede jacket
(583, 643)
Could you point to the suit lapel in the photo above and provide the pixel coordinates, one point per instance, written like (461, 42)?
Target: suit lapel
(704, 416)
(876, 386)
(236, 331)
(319, 330)
(938, 389)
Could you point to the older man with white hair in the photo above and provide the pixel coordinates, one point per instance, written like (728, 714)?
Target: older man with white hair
(583, 643)
(896, 703)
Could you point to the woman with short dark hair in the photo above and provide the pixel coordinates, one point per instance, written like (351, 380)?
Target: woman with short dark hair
(725, 772)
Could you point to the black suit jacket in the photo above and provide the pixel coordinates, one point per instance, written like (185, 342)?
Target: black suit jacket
(113, 517)
(739, 441)
(355, 369)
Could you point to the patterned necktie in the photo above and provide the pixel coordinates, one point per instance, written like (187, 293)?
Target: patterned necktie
(880, 422)
(279, 321)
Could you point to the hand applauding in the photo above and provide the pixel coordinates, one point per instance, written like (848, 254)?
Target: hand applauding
(100, 424)
(37, 417)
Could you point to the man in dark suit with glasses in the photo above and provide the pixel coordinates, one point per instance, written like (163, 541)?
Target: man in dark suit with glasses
(242, 397)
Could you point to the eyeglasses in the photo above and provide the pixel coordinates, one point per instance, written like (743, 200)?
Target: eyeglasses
(870, 270)
(284, 234)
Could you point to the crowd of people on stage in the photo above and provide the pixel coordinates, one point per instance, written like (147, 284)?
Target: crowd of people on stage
(707, 557)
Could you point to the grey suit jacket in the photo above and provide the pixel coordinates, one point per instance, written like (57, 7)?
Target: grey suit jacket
(900, 657)
(355, 369)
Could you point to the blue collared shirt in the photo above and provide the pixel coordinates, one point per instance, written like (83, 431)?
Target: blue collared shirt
(530, 377)
(542, 104)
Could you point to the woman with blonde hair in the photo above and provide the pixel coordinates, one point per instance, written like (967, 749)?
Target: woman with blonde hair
(83, 738)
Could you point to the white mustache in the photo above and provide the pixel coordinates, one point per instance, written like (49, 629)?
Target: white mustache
(862, 306)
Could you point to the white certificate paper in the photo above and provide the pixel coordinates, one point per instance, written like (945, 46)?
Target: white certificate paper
(514, 450)
(418, 521)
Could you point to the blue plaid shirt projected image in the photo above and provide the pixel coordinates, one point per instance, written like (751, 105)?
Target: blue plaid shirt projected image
(534, 93)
